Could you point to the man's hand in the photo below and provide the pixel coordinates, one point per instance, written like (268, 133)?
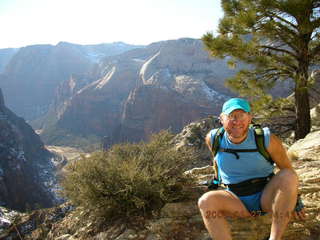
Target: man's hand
(301, 215)
(299, 211)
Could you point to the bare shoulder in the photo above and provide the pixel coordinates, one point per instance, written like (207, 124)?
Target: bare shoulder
(275, 141)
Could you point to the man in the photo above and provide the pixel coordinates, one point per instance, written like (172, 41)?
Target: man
(277, 194)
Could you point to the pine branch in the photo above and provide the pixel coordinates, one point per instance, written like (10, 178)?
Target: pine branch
(281, 50)
(283, 36)
(277, 16)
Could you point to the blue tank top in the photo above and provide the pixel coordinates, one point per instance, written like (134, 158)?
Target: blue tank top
(249, 165)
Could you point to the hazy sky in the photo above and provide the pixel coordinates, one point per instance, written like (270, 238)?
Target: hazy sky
(26, 22)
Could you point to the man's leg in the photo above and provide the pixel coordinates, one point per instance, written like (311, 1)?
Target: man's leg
(214, 206)
(279, 198)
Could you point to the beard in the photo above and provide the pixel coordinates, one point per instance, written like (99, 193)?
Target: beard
(237, 134)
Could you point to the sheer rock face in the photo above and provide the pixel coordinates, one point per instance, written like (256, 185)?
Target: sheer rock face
(150, 109)
(25, 168)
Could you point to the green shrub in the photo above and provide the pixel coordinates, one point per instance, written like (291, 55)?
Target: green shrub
(129, 179)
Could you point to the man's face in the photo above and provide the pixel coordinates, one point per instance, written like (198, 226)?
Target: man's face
(236, 124)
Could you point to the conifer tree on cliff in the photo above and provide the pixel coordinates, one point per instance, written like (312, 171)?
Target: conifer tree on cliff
(278, 39)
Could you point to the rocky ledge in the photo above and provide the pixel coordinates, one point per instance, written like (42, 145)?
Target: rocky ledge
(181, 220)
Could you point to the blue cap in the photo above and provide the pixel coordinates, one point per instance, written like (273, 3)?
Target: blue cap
(234, 104)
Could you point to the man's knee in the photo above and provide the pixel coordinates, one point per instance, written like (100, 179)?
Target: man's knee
(207, 200)
(288, 178)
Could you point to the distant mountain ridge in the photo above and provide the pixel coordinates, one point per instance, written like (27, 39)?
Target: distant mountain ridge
(31, 75)
(163, 85)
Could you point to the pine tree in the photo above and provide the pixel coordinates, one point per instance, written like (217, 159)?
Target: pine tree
(278, 40)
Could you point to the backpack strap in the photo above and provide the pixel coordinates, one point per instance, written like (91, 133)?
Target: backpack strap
(259, 138)
(236, 151)
(215, 146)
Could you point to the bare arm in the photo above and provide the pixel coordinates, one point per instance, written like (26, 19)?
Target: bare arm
(278, 153)
(280, 157)
(208, 141)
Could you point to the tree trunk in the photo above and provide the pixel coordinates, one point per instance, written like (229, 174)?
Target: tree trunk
(303, 120)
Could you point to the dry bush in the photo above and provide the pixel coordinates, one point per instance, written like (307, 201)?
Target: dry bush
(129, 179)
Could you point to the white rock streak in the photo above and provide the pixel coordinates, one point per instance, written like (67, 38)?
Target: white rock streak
(106, 78)
(145, 66)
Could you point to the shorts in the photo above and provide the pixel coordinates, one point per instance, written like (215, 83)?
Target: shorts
(252, 203)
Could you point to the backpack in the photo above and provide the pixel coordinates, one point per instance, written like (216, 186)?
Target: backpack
(259, 139)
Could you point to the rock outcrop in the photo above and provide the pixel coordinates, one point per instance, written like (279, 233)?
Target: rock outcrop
(181, 220)
(26, 172)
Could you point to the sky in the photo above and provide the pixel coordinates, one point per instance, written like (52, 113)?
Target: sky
(141, 22)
